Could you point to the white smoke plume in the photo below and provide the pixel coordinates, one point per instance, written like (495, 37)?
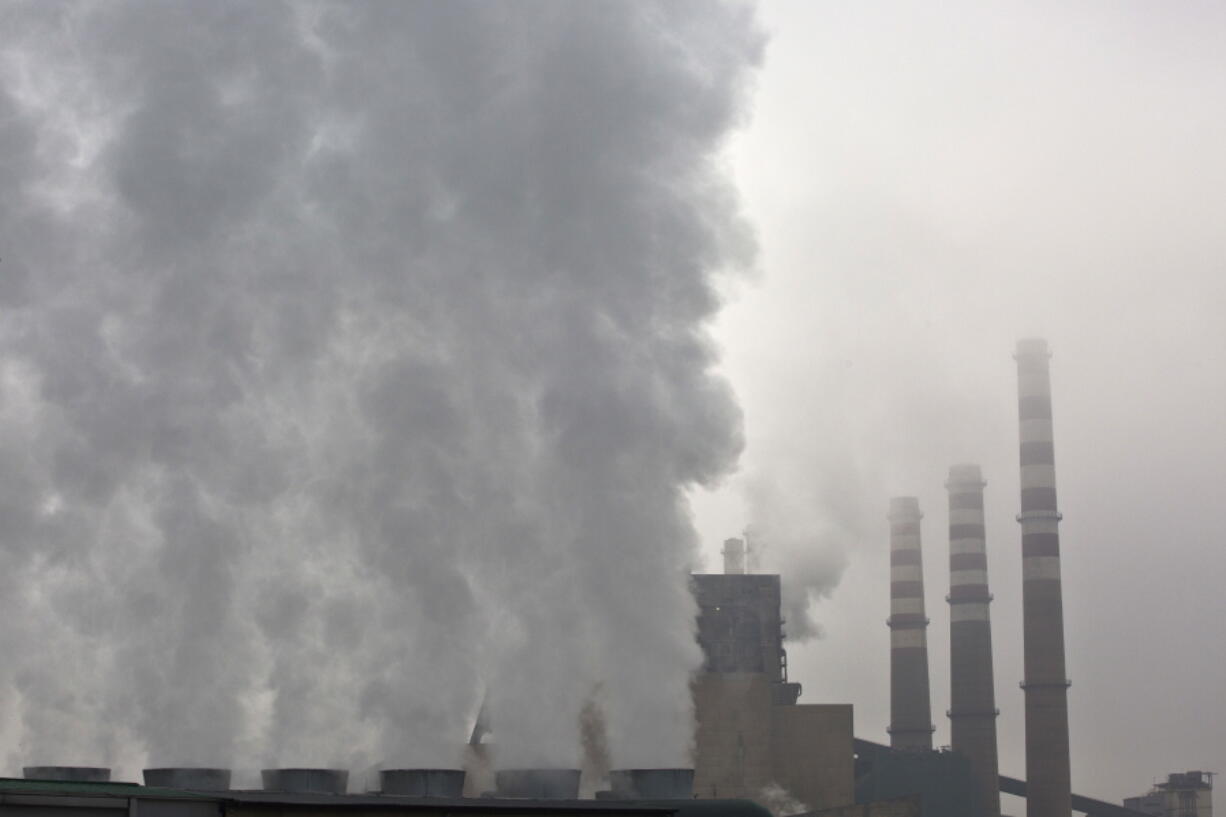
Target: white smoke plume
(804, 537)
(779, 801)
(353, 357)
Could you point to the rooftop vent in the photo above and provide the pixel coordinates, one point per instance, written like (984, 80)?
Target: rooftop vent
(192, 778)
(539, 784)
(422, 782)
(306, 781)
(75, 774)
(652, 784)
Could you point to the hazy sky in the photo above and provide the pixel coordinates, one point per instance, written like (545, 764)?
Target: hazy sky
(929, 184)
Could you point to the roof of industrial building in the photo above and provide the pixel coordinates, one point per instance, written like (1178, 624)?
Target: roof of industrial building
(283, 800)
(73, 787)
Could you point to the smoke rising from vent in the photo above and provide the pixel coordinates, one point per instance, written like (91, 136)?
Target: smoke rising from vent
(353, 357)
(806, 544)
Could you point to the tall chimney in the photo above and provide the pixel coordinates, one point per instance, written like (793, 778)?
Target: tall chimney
(1046, 687)
(972, 698)
(910, 704)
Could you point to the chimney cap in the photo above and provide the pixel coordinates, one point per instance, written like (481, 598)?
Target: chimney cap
(1032, 348)
(905, 507)
(965, 474)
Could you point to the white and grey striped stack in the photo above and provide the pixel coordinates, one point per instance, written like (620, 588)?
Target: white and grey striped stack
(910, 703)
(1046, 686)
(972, 713)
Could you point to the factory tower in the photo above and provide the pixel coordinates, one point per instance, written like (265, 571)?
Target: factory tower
(910, 705)
(1046, 685)
(972, 697)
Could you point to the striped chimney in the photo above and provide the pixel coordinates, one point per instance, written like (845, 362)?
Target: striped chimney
(1046, 687)
(972, 698)
(910, 707)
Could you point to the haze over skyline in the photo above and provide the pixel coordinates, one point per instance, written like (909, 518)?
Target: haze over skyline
(928, 185)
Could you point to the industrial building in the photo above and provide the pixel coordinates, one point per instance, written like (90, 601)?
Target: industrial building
(58, 798)
(1184, 794)
(750, 732)
(752, 736)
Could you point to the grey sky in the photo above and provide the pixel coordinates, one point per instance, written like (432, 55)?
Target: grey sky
(929, 184)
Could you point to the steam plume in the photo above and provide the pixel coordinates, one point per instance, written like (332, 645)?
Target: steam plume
(353, 356)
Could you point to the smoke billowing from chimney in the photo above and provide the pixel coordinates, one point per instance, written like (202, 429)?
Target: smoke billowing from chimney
(354, 356)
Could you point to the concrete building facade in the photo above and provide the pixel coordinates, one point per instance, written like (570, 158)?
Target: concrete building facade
(1184, 794)
(751, 735)
(740, 628)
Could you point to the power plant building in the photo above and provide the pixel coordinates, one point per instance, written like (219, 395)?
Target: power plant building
(1184, 794)
(751, 735)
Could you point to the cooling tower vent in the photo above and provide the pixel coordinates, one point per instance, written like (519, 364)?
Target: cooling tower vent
(306, 781)
(74, 774)
(539, 784)
(652, 784)
(192, 778)
(422, 782)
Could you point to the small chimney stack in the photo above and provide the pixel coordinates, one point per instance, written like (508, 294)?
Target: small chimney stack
(734, 556)
(910, 699)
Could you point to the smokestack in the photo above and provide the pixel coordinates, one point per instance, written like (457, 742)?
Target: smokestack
(910, 706)
(972, 697)
(734, 556)
(1046, 687)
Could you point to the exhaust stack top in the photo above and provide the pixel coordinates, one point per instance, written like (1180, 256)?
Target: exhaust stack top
(1046, 685)
(972, 696)
(910, 699)
(734, 556)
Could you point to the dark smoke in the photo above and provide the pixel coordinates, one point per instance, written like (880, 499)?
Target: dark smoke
(353, 357)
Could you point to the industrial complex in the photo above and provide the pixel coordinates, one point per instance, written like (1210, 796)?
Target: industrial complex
(755, 744)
